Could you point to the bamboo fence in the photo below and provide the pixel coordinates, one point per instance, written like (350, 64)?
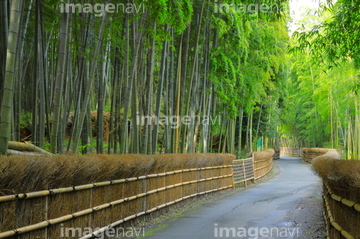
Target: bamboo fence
(291, 152)
(262, 168)
(342, 216)
(311, 153)
(341, 194)
(263, 163)
(243, 170)
(253, 168)
(107, 204)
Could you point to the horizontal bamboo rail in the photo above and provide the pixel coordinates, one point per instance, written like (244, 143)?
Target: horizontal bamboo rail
(328, 215)
(256, 169)
(45, 193)
(268, 167)
(115, 224)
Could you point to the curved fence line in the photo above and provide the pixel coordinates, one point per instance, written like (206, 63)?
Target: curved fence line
(328, 215)
(114, 202)
(341, 214)
(115, 224)
(171, 179)
(343, 200)
(88, 211)
(267, 168)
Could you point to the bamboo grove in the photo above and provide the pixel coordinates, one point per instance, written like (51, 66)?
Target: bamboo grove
(160, 75)
(323, 104)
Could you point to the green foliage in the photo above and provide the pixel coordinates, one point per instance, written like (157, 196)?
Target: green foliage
(25, 120)
(335, 39)
(249, 67)
(229, 62)
(175, 14)
(317, 98)
(322, 106)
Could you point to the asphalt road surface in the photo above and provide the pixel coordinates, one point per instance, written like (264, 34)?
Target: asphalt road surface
(286, 206)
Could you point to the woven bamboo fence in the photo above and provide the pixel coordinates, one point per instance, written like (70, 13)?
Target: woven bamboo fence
(291, 152)
(251, 169)
(158, 181)
(243, 170)
(341, 194)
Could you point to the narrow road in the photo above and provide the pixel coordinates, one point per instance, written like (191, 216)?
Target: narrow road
(288, 205)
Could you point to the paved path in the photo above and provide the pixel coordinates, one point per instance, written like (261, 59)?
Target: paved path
(272, 209)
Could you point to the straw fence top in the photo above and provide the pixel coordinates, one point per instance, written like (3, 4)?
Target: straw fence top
(341, 175)
(263, 155)
(317, 150)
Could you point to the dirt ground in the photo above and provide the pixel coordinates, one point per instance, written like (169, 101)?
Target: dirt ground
(308, 213)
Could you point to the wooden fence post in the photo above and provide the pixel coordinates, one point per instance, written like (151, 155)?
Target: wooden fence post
(253, 162)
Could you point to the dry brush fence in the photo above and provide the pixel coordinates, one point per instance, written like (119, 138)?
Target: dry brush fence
(40, 194)
(311, 153)
(341, 193)
(259, 165)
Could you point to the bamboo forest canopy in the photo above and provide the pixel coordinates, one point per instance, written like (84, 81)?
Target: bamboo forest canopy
(176, 76)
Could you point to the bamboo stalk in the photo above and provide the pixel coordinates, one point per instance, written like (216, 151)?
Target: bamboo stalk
(25, 146)
(256, 169)
(16, 152)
